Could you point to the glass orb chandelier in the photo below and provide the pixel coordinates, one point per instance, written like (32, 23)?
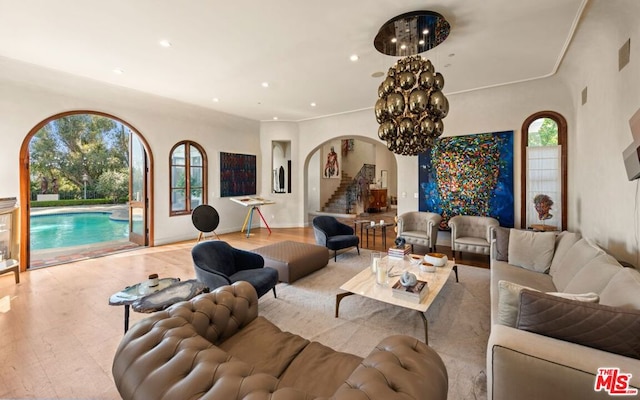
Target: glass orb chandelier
(411, 104)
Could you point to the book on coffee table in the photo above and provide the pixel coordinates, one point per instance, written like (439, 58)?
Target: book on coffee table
(415, 293)
(399, 251)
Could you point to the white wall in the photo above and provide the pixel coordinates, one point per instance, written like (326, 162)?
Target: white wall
(29, 94)
(602, 202)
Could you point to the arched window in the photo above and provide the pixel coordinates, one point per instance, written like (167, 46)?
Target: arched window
(188, 173)
(544, 171)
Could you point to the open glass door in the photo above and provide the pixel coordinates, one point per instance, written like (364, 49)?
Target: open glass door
(137, 192)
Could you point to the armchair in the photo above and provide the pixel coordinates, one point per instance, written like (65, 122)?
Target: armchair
(334, 235)
(218, 264)
(471, 233)
(421, 228)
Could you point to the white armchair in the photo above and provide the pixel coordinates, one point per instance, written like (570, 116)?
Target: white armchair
(471, 233)
(420, 228)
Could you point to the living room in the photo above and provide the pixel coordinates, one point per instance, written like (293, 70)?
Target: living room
(602, 203)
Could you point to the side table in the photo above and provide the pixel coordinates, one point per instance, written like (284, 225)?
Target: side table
(10, 265)
(168, 292)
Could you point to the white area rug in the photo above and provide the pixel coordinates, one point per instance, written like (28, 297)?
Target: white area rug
(459, 319)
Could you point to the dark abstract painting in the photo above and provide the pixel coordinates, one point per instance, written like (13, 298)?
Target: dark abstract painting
(469, 175)
(237, 174)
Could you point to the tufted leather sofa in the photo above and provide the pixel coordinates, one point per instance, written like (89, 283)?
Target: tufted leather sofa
(470, 233)
(215, 346)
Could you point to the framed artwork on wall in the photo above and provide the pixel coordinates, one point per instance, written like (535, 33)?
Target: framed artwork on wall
(330, 162)
(237, 174)
(469, 175)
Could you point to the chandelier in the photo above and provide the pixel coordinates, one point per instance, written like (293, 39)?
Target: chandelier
(411, 104)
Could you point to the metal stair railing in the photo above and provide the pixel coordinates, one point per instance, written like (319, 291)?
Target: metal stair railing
(359, 187)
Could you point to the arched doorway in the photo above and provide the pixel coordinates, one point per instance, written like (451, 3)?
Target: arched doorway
(354, 151)
(140, 203)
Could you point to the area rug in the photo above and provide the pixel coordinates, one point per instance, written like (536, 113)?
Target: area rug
(459, 319)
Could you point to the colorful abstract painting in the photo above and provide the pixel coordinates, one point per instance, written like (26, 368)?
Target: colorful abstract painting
(469, 175)
(237, 174)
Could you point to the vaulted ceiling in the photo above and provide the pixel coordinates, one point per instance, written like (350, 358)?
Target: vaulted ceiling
(222, 52)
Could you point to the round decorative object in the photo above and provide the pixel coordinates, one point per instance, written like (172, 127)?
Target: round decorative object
(408, 279)
(400, 241)
(437, 259)
(205, 218)
(427, 267)
(411, 106)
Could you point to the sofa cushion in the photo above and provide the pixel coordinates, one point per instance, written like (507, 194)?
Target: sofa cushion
(265, 346)
(575, 259)
(594, 325)
(502, 243)
(564, 241)
(623, 290)
(319, 370)
(509, 300)
(594, 276)
(531, 250)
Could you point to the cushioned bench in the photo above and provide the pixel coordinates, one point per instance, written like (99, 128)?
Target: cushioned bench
(293, 260)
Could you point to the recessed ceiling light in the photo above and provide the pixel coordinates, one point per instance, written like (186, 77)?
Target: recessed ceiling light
(118, 71)
(165, 43)
(313, 104)
(354, 57)
(265, 84)
(215, 99)
(275, 118)
(377, 74)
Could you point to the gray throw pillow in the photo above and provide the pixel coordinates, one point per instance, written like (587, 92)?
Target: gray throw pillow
(531, 250)
(598, 326)
(502, 243)
(509, 300)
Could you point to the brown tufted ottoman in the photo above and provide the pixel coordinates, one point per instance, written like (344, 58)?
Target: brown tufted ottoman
(293, 260)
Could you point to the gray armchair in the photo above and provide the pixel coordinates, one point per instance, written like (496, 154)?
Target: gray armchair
(421, 228)
(471, 234)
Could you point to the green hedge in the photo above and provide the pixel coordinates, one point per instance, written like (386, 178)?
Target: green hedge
(79, 202)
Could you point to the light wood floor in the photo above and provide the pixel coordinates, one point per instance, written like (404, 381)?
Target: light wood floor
(58, 334)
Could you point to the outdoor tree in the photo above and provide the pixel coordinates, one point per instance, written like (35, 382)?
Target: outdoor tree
(114, 184)
(71, 146)
(547, 135)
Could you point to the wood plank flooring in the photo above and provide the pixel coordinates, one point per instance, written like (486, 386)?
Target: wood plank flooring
(58, 334)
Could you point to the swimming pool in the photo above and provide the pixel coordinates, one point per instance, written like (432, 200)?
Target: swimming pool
(75, 229)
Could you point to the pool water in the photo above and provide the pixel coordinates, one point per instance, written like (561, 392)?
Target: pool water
(75, 229)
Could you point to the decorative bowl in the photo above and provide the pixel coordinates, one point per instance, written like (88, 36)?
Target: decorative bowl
(415, 259)
(427, 267)
(437, 259)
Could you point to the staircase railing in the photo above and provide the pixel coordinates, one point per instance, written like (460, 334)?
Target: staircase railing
(359, 187)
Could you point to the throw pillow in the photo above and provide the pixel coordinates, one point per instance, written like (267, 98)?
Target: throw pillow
(594, 325)
(531, 250)
(564, 241)
(509, 300)
(576, 257)
(623, 290)
(502, 243)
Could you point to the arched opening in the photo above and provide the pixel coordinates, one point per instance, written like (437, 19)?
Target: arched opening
(78, 163)
(354, 155)
(544, 171)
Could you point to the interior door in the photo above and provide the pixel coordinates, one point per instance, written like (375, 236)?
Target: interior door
(138, 201)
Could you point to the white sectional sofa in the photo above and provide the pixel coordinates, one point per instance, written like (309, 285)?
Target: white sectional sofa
(545, 346)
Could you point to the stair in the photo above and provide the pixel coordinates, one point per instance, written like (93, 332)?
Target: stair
(338, 201)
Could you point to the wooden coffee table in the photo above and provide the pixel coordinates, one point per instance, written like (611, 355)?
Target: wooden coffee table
(364, 284)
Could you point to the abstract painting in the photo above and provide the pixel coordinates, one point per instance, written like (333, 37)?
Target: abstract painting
(469, 175)
(237, 174)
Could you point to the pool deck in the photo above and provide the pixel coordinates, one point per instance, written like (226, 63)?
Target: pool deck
(62, 255)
